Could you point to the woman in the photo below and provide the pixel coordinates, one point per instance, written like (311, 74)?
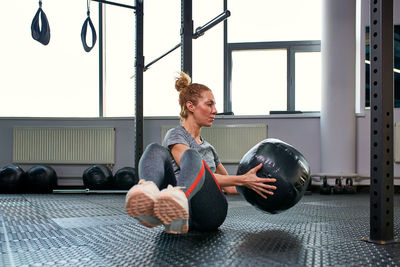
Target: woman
(187, 170)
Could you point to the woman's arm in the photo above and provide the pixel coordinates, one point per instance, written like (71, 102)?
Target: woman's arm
(249, 179)
(177, 152)
(228, 189)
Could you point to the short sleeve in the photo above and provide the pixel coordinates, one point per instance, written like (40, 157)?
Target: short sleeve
(175, 136)
(216, 158)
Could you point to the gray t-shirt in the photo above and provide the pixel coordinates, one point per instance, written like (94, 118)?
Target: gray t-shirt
(179, 135)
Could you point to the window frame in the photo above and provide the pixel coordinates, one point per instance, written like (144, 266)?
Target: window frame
(292, 47)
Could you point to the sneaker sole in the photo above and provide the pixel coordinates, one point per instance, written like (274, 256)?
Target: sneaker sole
(140, 206)
(172, 214)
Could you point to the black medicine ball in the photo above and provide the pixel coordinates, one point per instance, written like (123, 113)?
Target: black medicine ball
(97, 177)
(12, 179)
(125, 178)
(41, 179)
(283, 162)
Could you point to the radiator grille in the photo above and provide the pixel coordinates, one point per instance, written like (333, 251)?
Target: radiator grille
(64, 145)
(230, 141)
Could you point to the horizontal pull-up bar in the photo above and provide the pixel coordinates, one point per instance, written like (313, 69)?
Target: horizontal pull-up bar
(201, 30)
(115, 4)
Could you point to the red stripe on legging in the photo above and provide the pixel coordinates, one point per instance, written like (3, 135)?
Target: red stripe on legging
(193, 186)
(212, 175)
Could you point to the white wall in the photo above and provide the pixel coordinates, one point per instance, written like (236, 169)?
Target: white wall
(300, 131)
(124, 142)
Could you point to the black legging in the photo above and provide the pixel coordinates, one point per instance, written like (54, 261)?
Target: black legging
(207, 204)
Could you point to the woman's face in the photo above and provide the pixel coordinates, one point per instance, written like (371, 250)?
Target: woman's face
(204, 112)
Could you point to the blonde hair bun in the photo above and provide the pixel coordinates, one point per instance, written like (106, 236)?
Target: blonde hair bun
(183, 81)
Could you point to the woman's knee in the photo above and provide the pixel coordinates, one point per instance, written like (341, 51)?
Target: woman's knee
(155, 165)
(154, 155)
(190, 155)
(156, 150)
(155, 147)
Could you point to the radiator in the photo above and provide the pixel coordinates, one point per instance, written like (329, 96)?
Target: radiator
(230, 141)
(64, 145)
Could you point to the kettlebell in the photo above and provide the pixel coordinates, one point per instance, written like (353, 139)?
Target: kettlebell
(338, 188)
(325, 188)
(348, 188)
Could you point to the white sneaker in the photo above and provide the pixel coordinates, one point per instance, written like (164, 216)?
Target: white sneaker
(172, 208)
(140, 201)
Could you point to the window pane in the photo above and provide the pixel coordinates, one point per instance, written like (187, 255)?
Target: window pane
(160, 96)
(119, 61)
(56, 80)
(271, 20)
(308, 81)
(208, 58)
(161, 33)
(259, 81)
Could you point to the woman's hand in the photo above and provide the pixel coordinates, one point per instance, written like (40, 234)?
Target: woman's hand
(252, 181)
(249, 179)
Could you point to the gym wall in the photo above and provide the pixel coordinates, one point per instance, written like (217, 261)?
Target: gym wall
(301, 131)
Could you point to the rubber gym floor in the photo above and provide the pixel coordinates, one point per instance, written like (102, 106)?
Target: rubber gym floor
(94, 230)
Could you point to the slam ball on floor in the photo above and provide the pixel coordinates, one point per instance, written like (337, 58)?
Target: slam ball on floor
(98, 177)
(283, 162)
(12, 179)
(125, 178)
(41, 179)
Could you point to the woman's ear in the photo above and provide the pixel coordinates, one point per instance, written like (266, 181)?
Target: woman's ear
(190, 106)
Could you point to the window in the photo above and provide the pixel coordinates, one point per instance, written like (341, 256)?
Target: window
(162, 22)
(56, 80)
(258, 26)
(118, 61)
(286, 77)
(308, 81)
(258, 81)
(161, 33)
(62, 80)
(208, 59)
(271, 20)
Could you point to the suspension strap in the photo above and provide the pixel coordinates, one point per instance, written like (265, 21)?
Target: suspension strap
(87, 22)
(40, 34)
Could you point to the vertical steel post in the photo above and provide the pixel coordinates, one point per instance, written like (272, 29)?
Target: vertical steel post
(381, 191)
(227, 82)
(291, 90)
(186, 36)
(139, 65)
(101, 68)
